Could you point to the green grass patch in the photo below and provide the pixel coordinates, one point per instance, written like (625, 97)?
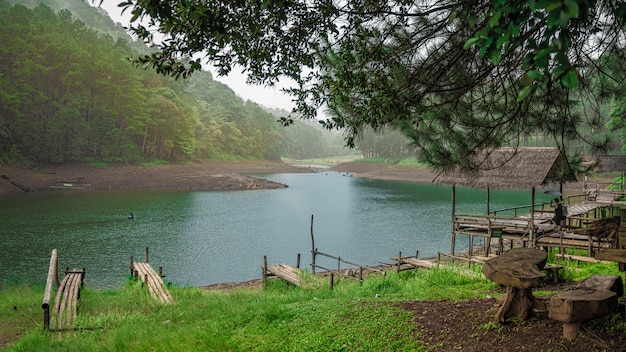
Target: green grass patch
(354, 316)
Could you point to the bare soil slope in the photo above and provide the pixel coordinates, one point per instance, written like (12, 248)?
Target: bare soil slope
(209, 175)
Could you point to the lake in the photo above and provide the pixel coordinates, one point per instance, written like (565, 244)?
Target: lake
(203, 238)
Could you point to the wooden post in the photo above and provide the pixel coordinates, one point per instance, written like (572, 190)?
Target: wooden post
(332, 281)
(453, 216)
(145, 280)
(338, 264)
(312, 247)
(488, 199)
(132, 265)
(361, 274)
(147, 255)
(533, 240)
(298, 261)
(161, 271)
(264, 270)
(399, 261)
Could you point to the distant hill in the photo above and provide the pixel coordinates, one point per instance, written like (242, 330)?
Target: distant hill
(95, 17)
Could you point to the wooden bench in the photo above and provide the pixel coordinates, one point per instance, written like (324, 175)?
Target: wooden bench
(156, 287)
(65, 306)
(596, 297)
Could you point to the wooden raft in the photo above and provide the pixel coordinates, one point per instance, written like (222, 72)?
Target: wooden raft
(153, 280)
(65, 306)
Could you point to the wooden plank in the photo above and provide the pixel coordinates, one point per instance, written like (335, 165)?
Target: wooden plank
(417, 262)
(286, 272)
(612, 254)
(581, 258)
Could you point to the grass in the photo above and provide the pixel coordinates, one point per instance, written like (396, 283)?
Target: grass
(355, 317)
(352, 317)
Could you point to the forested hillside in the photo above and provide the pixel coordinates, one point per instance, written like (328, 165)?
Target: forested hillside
(70, 93)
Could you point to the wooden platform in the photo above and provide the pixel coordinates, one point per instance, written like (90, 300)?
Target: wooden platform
(153, 280)
(65, 307)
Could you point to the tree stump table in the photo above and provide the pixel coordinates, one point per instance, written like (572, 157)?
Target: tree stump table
(519, 270)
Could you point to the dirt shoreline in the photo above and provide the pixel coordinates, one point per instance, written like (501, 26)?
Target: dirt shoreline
(197, 176)
(206, 175)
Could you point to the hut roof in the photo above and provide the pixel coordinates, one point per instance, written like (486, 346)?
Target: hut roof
(512, 168)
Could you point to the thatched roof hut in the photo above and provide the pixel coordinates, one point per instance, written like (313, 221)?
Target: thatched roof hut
(510, 168)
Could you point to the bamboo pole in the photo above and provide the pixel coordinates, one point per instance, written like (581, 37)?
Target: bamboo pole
(313, 250)
(132, 267)
(453, 216)
(298, 261)
(60, 302)
(533, 240)
(147, 261)
(50, 280)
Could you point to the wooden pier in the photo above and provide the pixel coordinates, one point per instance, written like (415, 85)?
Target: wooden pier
(152, 279)
(589, 225)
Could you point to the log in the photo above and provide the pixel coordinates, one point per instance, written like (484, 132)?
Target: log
(577, 306)
(51, 279)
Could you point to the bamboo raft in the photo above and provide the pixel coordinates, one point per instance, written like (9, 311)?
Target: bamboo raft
(65, 306)
(152, 279)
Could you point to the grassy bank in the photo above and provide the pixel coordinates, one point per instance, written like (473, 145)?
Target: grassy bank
(352, 317)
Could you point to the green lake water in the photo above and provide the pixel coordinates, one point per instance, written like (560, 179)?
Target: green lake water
(202, 238)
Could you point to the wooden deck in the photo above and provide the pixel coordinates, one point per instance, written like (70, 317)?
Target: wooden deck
(589, 225)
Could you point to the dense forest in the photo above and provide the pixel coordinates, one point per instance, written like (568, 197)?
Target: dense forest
(69, 92)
